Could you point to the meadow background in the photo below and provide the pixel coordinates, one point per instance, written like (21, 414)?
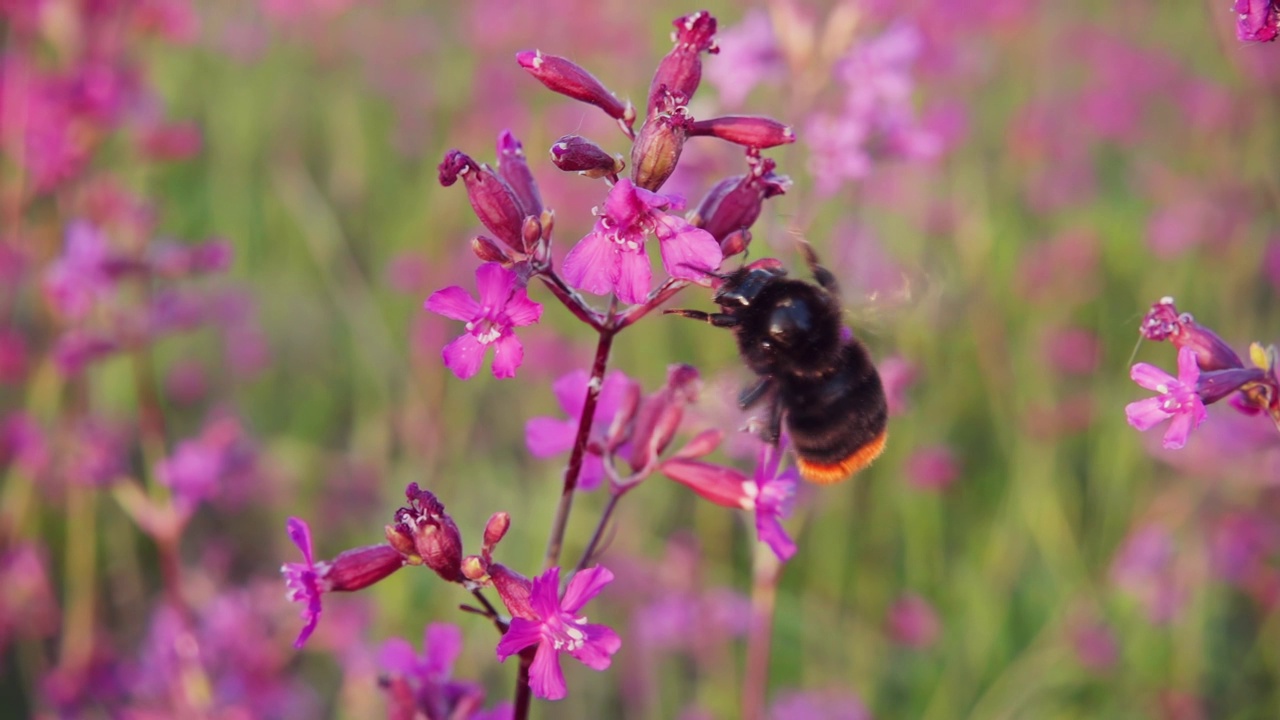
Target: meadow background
(1018, 552)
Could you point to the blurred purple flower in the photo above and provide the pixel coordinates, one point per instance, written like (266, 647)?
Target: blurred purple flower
(559, 628)
(503, 304)
(13, 356)
(1177, 399)
(93, 452)
(547, 436)
(77, 348)
(23, 443)
(1071, 350)
(1094, 644)
(80, 277)
(913, 622)
(818, 706)
(749, 55)
(1257, 20)
(429, 676)
(28, 606)
(202, 468)
(932, 468)
(612, 257)
(1144, 567)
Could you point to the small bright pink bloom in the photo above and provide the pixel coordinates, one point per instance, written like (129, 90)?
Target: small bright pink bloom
(503, 305)
(303, 579)
(612, 258)
(1257, 20)
(548, 436)
(1177, 399)
(559, 628)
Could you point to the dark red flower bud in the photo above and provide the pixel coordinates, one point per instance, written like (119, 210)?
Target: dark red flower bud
(488, 251)
(681, 70)
(514, 589)
(657, 148)
(359, 568)
(735, 242)
(435, 536)
(735, 203)
(1163, 322)
(754, 132)
(494, 531)
(494, 201)
(513, 166)
(574, 153)
(567, 78)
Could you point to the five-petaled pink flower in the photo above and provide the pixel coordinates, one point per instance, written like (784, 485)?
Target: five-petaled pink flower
(559, 628)
(1177, 399)
(612, 257)
(503, 304)
(547, 436)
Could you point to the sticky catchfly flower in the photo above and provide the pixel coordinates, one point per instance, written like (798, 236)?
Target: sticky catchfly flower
(559, 628)
(504, 304)
(1177, 399)
(612, 257)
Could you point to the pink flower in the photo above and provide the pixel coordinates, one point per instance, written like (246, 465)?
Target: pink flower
(547, 436)
(78, 279)
(558, 628)
(1177, 399)
(612, 259)
(503, 305)
(913, 622)
(1257, 20)
(303, 579)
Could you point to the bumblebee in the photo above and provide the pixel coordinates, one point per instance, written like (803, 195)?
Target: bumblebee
(814, 375)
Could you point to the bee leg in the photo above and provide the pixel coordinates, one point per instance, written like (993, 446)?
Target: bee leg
(823, 276)
(717, 319)
(755, 393)
(773, 429)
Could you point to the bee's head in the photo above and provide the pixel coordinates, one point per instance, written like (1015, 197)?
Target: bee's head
(740, 287)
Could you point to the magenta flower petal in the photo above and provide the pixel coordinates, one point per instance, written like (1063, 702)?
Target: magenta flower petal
(687, 252)
(770, 532)
(546, 436)
(545, 596)
(545, 676)
(1151, 377)
(398, 656)
(1145, 414)
(508, 353)
(494, 283)
(300, 533)
(591, 265)
(584, 586)
(452, 302)
(601, 643)
(442, 644)
(521, 310)
(463, 356)
(302, 580)
(521, 634)
(634, 277)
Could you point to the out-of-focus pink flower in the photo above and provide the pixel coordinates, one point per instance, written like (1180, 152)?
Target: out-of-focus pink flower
(175, 260)
(932, 468)
(429, 675)
(174, 20)
(1242, 544)
(547, 436)
(171, 141)
(208, 465)
(749, 56)
(1094, 644)
(612, 258)
(913, 622)
(92, 452)
(557, 627)
(13, 356)
(81, 276)
(186, 382)
(834, 705)
(77, 349)
(1177, 399)
(1073, 351)
(503, 305)
(28, 606)
(897, 374)
(23, 443)
(1144, 567)
(1257, 20)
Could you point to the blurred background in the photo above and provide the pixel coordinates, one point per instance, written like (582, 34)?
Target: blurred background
(221, 219)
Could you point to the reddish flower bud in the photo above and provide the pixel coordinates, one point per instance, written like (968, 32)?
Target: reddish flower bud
(734, 203)
(735, 242)
(1163, 322)
(435, 536)
(681, 70)
(513, 166)
(660, 415)
(567, 78)
(361, 567)
(514, 589)
(475, 569)
(494, 201)
(574, 153)
(657, 148)
(721, 485)
(402, 540)
(488, 251)
(494, 531)
(751, 131)
(1213, 385)
(704, 443)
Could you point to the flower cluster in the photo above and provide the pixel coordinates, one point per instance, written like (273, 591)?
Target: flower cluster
(1208, 371)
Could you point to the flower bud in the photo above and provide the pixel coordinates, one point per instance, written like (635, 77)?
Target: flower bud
(735, 203)
(494, 202)
(513, 166)
(475, 569)
(567, 78)
(704, 443)
(400, 539)
(1213, 385)
(514, 589)
(681, 70)
(735, 242)
(660, 415)
(1163, 322)
(359, 568)
(435, 536)
(657, 148)
(754, 132)
(488, 251)
(494, 531)
(574, 153)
